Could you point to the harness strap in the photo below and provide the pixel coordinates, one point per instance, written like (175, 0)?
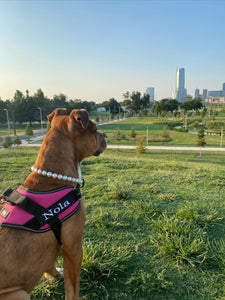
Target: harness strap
(27, 204)
(43, 215)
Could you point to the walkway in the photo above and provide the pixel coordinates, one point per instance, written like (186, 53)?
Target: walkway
(25, 143)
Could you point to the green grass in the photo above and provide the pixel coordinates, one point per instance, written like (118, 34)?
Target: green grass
(155, 130)
(20, 129)
(155, 127)
(155, 224)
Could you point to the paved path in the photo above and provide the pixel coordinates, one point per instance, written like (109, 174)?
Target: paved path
(167, 148)
(25, 143)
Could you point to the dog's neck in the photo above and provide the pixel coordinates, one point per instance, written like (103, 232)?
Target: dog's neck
(59, 176)
(79, 171)
(58, 159)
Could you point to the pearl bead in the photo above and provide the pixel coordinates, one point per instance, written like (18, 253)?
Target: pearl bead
(58, 176)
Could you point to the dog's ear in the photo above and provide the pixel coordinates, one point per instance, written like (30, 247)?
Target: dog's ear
(57, 112)
(81, 116)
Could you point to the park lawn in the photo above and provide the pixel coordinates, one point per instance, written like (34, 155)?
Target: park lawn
(155, 130)
(155, 224)
(20, 129)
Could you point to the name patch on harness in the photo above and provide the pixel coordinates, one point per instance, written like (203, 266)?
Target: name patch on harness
(55, 211)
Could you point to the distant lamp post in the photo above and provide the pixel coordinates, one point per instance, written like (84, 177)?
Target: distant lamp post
(7, 115)
(41, 117)
(147, 135)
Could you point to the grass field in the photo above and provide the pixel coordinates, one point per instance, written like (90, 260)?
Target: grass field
(155, 224)
(140, 125)
(19, 129)
(155, 130)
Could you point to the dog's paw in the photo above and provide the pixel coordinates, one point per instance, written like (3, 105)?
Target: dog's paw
(54, 274)
(60, 271)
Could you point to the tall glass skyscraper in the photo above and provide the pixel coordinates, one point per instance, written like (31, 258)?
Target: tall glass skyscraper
(181, 92)
(151, 92)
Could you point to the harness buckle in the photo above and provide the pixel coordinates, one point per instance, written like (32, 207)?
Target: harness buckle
(3, 200)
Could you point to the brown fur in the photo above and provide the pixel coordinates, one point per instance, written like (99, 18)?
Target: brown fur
(26, 255)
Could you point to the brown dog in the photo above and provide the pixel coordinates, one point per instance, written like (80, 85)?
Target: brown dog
(26, 256)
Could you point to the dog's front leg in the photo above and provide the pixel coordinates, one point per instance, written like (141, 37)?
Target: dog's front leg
(72, 263)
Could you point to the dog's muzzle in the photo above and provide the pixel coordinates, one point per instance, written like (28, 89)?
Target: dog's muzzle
(98, 152)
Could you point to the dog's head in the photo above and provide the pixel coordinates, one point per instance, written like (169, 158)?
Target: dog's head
(80, 129)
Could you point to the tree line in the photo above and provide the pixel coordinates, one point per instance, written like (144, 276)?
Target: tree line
(171, 105)
(27, 108)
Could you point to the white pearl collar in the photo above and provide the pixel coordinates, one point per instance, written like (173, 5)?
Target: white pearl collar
(58, 176)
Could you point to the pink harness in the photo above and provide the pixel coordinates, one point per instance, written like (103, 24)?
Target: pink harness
(39, 211)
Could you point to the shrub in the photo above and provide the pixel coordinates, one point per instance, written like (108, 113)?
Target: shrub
(140, 147)
(28, 132)
(118, 135)
(133, 134)
(7, 143)
(48, 126)
(17, 141)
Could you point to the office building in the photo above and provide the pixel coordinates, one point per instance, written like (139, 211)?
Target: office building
(217, 93)
(205, 94)
(197, 93)
(151, 92)
(216, 100)
(181, 92)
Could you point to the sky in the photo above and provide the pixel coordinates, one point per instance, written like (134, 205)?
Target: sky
(97, 50)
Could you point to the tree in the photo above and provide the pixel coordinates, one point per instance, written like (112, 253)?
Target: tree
(140, 149)
(188, 98)
(113, 106)
(46, 105)
(201, 139)
(166, 134)
(17, 141)
(118, 135)
(135, 101)
(193, 104)
(133, 134)
(20, 108)
(145, 102)
(59, 100)
(172, 105)
(28, 132)
(157, 107)
(7, 143)
(165, 105)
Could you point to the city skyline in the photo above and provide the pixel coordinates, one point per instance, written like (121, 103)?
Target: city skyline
(96, 50)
